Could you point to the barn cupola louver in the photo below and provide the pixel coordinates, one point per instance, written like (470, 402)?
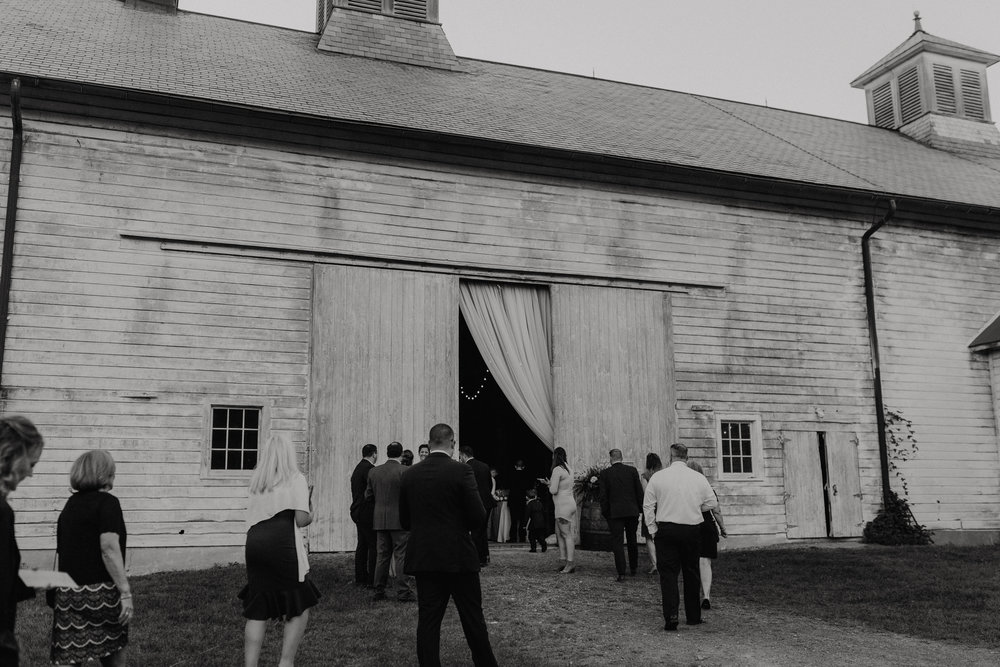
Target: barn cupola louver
(403, 31)
(935, 91)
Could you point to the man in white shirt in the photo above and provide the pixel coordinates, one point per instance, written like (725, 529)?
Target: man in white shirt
(672, 505)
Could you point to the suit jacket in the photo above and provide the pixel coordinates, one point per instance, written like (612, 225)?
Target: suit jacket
(359, 482)
(621, 492)
(484, 482)
(383, 485)
(439, 504)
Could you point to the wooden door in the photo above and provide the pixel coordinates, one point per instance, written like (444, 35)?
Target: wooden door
(844, 486)
(384, 368)
(612, 372)
(805, 514)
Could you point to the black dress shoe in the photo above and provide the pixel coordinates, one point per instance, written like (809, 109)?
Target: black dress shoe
(705, 604)
(670, 627)
(698, 622)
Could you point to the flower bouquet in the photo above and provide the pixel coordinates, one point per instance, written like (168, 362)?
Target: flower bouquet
(586, 486)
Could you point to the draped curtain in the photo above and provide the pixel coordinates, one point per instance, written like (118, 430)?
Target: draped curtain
(512, 327)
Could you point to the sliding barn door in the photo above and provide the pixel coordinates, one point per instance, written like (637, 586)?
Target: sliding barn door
(384, 368)
(805, 515)
(612, 373)
(846, 519)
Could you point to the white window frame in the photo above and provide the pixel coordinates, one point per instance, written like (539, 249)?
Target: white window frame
(263, 427)
(756, 447)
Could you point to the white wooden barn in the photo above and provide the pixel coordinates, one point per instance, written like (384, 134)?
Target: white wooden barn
(216, 230)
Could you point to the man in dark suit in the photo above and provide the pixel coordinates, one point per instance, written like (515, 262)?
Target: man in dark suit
(383, 486)
(484, 482)
(621, 504)
(439, 504)
(362, 514)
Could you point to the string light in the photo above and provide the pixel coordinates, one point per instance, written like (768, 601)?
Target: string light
(475, 395)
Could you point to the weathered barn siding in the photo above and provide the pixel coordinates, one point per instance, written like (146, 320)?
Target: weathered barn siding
(116, 345)
(612, 373)
(122, 285)
(384, 367)
(782, 337)
(936, 289)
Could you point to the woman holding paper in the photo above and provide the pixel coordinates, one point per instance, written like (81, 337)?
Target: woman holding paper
(278, 585)
(91, 620)
(20, 449)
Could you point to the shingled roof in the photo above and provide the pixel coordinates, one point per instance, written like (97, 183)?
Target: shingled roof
(193, 56)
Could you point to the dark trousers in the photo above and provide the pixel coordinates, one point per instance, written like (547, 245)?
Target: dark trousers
(366, 551)
(516, 519)
(677, 548)
(480, 539)
(537, 536)
(629, 525)
(433, 592)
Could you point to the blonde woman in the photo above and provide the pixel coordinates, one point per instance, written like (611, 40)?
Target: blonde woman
(561, 488)
(711, 527)
(90, 622)
(277, 568)
(20, 448)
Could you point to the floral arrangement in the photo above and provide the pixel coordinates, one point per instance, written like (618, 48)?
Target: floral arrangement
(585, 486)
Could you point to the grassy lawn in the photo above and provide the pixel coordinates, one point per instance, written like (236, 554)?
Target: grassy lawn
(943, 593)
(537, 617)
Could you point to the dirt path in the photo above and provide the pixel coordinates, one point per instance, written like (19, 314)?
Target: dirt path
(741, 635)
(591, 620)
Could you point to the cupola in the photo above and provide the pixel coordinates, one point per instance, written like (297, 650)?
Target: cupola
(935, 91)
(403, 31)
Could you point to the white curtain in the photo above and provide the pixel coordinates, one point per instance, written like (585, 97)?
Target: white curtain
(512, 327)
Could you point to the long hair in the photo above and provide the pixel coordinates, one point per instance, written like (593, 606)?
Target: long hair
(277, 465)
(559, 458)
(19, 439)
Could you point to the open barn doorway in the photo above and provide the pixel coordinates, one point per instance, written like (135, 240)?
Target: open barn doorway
(487, 420)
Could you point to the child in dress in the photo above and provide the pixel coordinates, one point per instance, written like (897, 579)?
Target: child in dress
(534, 520)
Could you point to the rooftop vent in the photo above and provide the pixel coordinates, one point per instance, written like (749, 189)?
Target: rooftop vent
(403, 31)
(933, 90)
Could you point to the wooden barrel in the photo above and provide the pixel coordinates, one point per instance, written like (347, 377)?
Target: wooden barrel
(594, 534)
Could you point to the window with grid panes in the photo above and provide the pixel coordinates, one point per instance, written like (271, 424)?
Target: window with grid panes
(235, 437)
(736, 441)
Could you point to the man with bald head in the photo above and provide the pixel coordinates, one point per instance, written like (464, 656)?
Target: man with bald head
(674, 500)
(621, 504)
(439, 504)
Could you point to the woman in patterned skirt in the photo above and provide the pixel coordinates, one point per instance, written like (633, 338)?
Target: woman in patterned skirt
(277, 568)
(91, 620)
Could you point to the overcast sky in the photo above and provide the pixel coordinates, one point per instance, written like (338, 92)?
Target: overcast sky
(791, 54)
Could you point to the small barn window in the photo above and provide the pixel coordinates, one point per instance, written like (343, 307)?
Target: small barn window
(235, 437)
(739, 447)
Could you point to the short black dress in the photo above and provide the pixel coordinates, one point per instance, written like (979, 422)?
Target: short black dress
(278, 584)
(709, 537)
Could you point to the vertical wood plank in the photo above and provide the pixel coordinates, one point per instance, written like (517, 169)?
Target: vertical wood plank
(845, 485)
(610, 373)
(362, 388)
(805, 515)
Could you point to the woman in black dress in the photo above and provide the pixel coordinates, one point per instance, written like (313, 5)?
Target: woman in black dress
(20, 449)
(91, 620)
(711, 528)
(278, 584)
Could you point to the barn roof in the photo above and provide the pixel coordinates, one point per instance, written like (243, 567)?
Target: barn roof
(989, 337)
(194, 56)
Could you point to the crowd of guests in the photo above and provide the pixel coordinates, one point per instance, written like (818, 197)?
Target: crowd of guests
(422, 522)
